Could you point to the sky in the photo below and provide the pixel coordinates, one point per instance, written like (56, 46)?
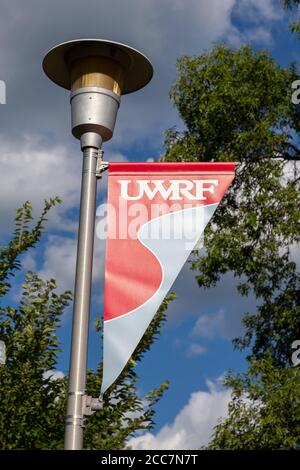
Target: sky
(39, 159)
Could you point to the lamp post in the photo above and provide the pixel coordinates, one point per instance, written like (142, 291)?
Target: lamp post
(97, 72)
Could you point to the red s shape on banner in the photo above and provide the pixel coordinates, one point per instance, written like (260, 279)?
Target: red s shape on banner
(157, 213)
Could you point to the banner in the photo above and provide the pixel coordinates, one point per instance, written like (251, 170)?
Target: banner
(157, 213)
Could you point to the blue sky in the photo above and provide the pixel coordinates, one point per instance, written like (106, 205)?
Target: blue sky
(39, 158)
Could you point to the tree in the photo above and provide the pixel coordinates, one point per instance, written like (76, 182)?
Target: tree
(124, 411)
(264, 412)
(236, 106)
(32, 397)
(31, 400)
(290, 5)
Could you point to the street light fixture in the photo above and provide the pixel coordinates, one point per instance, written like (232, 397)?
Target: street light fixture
(97, 72)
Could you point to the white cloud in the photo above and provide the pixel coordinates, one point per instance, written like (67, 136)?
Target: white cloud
(195, 349)
(59, 261)
(193, 426)
(210, 326)
(258, 10)
(199, 302)
(54, 374)
(49, 163)
(31, 171)
(221, 324)
(29, 261)
(162, 29)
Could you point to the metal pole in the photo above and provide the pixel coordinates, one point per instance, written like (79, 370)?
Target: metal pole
(82, 297)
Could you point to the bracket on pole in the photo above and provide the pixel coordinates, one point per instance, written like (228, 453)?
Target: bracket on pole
(89, 406)
(101, 165)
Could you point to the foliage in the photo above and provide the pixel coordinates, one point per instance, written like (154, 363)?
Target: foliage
(23, 239)
(236, 106)
(32, 397)
(264, 412)
(124, 411)
(290, 5)
(30, 400)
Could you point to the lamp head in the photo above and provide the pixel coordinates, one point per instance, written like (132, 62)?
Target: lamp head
(97, 72)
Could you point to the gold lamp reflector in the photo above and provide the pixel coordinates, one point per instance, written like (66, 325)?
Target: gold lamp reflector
(97, 72)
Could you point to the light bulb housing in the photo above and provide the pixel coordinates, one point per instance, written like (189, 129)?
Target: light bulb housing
(97, 72)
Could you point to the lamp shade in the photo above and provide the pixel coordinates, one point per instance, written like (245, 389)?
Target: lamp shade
(137, 68)
(97, 72)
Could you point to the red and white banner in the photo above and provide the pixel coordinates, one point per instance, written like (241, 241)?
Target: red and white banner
(157, 213)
